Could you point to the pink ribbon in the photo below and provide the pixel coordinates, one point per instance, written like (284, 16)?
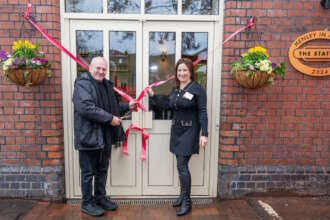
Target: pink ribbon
(249, 25)
(198, 61)
(129, 98)
(155, 84)
(145, 137)
(52, 40)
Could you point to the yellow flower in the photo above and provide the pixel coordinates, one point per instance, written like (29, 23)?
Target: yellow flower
(17, 45)
(252, 50)
(244, 54)
(258, 49)
(29, 45)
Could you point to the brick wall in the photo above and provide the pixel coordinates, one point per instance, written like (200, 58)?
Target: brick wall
(286, 125)
(31, 126)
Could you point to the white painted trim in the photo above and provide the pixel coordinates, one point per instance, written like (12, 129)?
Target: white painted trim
(179, 7)
(66, 85)
(215, 127)
(105, 7)
(141, 17)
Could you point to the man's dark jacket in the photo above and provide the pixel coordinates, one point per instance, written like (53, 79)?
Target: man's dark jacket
(90, 119)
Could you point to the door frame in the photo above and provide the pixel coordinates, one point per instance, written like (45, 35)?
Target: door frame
(67, 86)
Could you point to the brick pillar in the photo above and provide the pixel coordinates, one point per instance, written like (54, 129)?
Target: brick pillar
(31, 122)
(284, 127)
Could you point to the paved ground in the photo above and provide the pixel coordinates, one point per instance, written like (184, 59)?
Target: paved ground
(254, 208)
(15, 209)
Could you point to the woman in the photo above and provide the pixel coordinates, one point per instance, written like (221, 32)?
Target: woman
(188, 102)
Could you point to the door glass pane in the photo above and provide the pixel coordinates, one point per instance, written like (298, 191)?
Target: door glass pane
(194, 47)
(89, 44)
(122, 63)
(200, 7)
(165, 7)
(85, 6)
(121, 7)
(161, 67)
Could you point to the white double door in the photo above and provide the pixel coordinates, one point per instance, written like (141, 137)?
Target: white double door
(138, 54)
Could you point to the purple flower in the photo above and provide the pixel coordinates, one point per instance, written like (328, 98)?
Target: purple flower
(17, 62)
(43, 60)
(39, 61)
(3, 55)
(274, 65)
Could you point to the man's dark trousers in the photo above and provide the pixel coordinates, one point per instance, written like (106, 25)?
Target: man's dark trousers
(93, 163)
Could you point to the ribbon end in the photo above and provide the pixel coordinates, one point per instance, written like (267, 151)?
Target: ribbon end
(27, 12)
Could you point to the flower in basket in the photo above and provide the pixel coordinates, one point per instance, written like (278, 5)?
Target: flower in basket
(255, 69)
(27, 65)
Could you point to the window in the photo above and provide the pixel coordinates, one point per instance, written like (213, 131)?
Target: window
(154, 7)
(85, 6)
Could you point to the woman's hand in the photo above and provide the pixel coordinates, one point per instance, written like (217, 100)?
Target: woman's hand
(150, 92)
(203, 141)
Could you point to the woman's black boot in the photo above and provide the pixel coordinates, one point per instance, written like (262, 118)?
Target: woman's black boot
(185, 190)
(185, 180)
(178, 202)
(185, 207)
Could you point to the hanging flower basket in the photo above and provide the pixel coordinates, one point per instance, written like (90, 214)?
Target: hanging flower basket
(27, 76)
(27, 66)
(253, 79)
(255, 70)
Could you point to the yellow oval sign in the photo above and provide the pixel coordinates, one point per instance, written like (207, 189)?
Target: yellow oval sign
(311, 53)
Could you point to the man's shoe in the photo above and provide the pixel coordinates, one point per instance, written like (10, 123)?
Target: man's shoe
(107, 204)
(92, 209)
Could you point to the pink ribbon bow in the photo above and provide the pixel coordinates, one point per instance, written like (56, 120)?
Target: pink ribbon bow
(145, 137)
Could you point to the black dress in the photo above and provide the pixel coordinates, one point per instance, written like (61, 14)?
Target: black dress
(189, 117)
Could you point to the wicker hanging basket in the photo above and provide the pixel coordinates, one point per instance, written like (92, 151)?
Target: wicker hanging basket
(27, 76)
(255, 80)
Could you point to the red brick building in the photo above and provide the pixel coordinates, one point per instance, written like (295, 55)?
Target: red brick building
(271, 140)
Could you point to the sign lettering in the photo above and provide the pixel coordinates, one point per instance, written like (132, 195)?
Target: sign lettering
(299, 54)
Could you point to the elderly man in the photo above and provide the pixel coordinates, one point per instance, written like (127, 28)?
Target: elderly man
(97, 126)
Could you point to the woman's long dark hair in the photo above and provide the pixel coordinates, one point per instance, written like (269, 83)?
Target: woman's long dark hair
(190, 66)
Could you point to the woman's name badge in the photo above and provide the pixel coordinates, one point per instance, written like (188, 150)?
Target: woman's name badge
(188, 95)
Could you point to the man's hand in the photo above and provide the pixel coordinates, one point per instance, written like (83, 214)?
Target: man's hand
(115, 121)
(202, 141)
(132, 104)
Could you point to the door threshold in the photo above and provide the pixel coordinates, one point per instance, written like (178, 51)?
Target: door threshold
(142, 201)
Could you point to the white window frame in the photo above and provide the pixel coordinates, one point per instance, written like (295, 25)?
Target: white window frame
(142, 16)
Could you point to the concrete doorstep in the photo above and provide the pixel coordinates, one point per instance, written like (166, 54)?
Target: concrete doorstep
(249, 208)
